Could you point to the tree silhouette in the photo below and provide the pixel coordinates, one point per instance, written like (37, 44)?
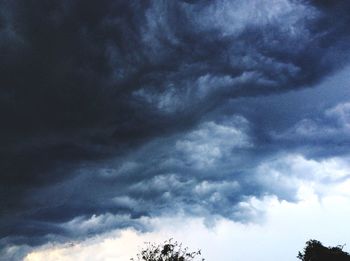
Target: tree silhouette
(169, 251)
(315, 251)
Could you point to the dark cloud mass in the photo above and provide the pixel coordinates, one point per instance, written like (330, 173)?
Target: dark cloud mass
(117, 110)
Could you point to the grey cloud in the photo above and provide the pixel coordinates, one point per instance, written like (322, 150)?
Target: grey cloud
(115, 106)
(153, 180)
(331, 128)
(212, 142)
(14, 253)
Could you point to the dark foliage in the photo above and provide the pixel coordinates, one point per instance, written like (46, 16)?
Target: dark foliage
(169, 251)
(315, 251)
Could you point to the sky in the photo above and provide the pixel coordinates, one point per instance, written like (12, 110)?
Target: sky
(223, 124)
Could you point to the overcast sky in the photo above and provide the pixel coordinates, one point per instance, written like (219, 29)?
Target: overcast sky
(224, 124)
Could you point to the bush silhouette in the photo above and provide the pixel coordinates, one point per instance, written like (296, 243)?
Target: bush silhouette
(315, 251)
(169, 251)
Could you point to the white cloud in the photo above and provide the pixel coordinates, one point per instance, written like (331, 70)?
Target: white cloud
(286, 174)
(223, 187)
(277, 230)
(213, 141)
(341, 114)
(231, 17)
(283, 233)
(95, 223)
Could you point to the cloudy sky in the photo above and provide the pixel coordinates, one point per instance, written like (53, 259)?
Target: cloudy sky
(224, 124)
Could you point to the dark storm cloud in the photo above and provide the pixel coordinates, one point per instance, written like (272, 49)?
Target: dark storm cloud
(112, 106)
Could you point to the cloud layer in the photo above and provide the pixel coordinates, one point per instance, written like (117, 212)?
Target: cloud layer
(121, 110)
